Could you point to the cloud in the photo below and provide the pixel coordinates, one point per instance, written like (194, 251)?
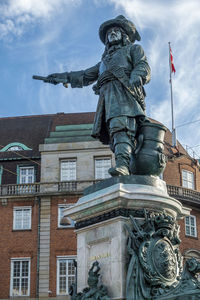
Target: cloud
(178, 22)
(158, 22)
(17, 14)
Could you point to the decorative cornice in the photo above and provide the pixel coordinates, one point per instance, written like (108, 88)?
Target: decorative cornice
(121, 212)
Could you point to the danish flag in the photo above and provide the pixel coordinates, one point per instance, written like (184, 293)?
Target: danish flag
(171, 61)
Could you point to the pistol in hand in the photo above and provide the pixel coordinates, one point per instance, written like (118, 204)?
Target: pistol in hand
(53, 79)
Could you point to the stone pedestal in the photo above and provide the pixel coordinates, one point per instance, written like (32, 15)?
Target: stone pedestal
(100, 217)
(104, 242)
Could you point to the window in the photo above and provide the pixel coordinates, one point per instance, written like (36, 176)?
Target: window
(190, 253)
(187, 179)
(190, 226)
(20, 277)
(15, 147)
(60, 216)
(68, 170)
(1, 172)
(26, 175)
(101, 168)
(22, 218)
(66, 274)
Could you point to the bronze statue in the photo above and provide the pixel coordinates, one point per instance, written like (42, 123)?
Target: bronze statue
(119, 77)
(94, 291)
(155, 269)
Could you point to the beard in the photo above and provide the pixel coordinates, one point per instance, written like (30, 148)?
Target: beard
(115, 42)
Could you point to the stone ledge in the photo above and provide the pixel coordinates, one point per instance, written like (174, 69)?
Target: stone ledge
(129, 179)
(128, 197)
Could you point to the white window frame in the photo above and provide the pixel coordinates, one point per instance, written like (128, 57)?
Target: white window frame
(60, 206)
(187, 183)
(189, 226)
(15, 148)
(1, 172)
(104, 172)
(70, 176)
(14, 217)
(21, 259)
(67, 258)
(26, 176)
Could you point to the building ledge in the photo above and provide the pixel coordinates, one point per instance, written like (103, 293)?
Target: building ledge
(188, 197)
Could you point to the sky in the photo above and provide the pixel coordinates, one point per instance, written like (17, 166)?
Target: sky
(41, 37)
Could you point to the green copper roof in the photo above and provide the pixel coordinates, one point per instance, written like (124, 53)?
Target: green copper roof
(70, 133)
(74, 127)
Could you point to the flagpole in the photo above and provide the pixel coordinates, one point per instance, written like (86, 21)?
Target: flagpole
(172, 102)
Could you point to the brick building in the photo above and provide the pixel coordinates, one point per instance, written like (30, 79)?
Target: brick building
(45, 163)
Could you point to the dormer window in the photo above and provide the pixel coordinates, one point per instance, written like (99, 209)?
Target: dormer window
(15, 147)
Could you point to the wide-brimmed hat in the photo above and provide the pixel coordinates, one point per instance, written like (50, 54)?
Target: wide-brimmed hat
(122, 22)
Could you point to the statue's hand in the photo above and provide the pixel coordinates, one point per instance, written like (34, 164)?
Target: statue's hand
(52, 78)
(135, 81)
(56, 78)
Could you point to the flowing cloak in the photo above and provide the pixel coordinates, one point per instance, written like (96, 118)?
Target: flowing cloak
(114, 98)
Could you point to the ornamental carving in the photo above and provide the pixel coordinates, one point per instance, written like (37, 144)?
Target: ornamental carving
(155, 269)
(164, 260)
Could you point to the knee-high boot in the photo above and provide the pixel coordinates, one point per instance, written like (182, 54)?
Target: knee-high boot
(123, 153)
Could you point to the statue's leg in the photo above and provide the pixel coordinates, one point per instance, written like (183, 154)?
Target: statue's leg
(123, 148)
(122, 136)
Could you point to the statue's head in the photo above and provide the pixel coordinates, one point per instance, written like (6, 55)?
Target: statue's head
(114, 35)
(125, 26)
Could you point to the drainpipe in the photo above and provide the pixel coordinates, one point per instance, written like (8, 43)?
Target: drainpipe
(38, 249)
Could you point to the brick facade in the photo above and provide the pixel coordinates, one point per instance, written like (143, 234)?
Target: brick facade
(173, 171)
(189, 242)
(61, 242)
(17, 244)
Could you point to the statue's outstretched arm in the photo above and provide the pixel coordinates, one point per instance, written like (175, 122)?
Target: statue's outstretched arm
(77, 78)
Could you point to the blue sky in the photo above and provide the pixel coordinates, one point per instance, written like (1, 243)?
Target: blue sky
(48, 36)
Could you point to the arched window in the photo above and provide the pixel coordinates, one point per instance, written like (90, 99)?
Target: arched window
(15, 147)
(192, 253)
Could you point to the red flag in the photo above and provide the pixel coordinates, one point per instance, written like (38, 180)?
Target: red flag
(171, 61)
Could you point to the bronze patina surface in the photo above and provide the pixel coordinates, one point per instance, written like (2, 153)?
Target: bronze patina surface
(119, 76)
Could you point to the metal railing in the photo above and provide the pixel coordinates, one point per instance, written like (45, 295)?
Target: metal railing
(78, 186)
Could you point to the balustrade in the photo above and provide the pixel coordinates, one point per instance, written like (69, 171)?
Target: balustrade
(78, 186)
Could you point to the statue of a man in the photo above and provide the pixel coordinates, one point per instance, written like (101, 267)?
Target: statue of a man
(119, 77)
